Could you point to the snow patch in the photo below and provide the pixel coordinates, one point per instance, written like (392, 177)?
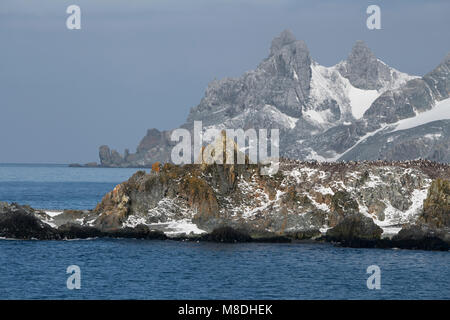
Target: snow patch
(361, 100)
(433, 136)
(53, 213)
(395, 217)
(174, 228)
(328, 84)
(440, 111)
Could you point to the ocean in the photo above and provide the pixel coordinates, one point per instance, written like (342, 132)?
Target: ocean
(140, 269)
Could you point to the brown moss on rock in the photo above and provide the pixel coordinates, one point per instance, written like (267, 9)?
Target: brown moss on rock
(114, 208)
(200, 197)
(436, 207)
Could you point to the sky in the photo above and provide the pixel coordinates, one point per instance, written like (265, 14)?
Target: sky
(140, 64)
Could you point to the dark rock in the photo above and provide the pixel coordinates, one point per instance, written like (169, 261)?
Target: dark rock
(19, 222)
(304, 235)
(76, 231)
(138, 232)
(354, 228)
(426, 243)
(75, 165)
(22, 222)
(272, 239)
(422, 237)
(228, 235)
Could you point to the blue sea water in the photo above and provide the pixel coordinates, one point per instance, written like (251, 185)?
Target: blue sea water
(139, 269)
(58, 187)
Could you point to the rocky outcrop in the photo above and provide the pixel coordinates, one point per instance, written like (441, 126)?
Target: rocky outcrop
(355, 204)
(422, 237)
(436, 207)
(431, 231)
(20, 222)
(297, 201)
(26, 223)
(76, 231)
(355, 227)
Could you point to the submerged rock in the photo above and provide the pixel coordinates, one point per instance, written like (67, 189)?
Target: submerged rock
(228, 235)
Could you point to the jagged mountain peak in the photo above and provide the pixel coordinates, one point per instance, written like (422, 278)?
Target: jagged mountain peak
(365, 71)
(284, 38)
(286, 49)
(360, 51)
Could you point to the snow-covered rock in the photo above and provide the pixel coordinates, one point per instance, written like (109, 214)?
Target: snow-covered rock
(300, 197)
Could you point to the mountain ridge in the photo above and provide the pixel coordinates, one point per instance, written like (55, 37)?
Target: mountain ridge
(321, 112)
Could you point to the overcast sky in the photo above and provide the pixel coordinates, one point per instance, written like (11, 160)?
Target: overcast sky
(135, 64)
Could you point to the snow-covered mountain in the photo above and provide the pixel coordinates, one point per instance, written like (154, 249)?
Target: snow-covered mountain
(356, 109)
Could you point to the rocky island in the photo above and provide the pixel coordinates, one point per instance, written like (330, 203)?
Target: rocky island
(360, 204)
(361, 111)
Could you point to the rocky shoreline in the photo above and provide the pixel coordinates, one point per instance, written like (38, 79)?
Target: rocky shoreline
(21, 223)
(347, 204)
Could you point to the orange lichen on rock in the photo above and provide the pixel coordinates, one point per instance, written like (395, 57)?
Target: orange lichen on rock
(156, 166)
